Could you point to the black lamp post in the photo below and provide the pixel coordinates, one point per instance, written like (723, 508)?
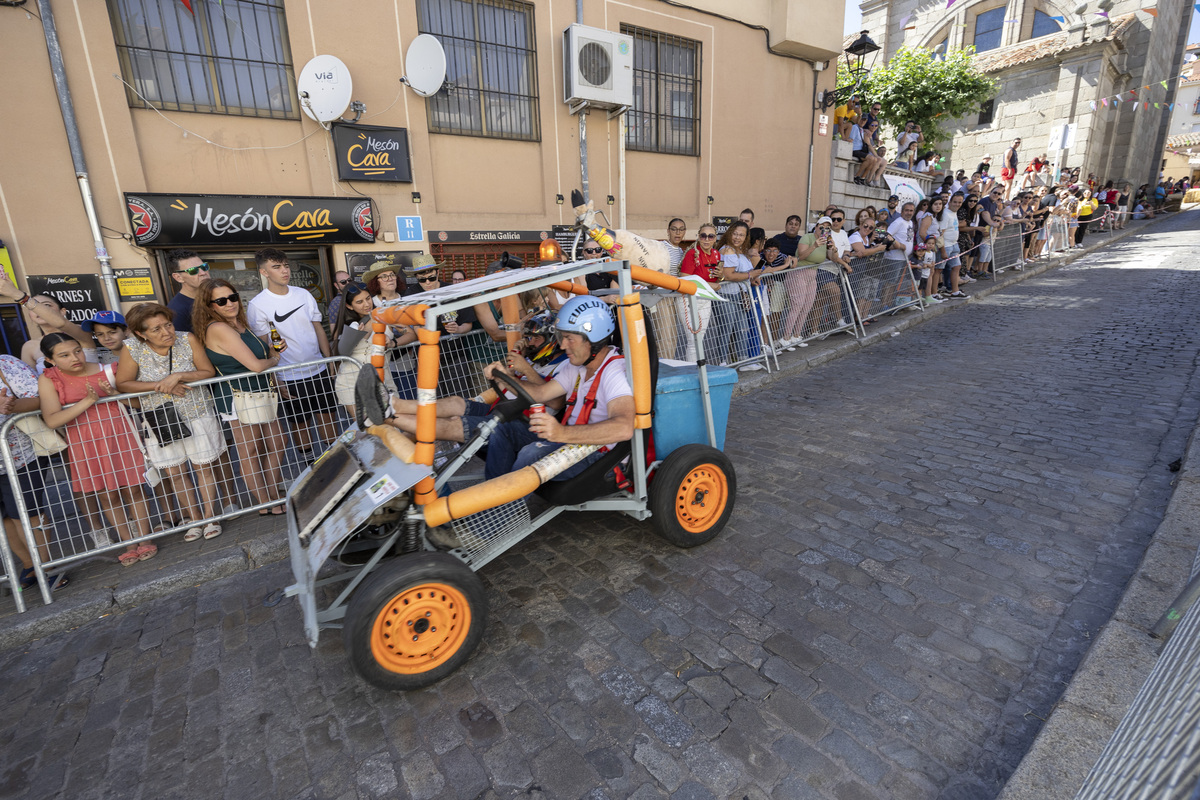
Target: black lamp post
(856, 55)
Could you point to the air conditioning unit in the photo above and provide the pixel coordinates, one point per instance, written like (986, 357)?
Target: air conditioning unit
(597, 67)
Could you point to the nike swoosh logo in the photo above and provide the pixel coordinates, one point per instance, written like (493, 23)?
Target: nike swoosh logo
(288, 314)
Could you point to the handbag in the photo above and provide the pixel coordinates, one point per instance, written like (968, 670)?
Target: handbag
(46, 442)
(256, 408)
(164, 421)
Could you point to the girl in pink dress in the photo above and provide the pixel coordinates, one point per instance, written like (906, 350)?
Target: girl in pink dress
(105, 458)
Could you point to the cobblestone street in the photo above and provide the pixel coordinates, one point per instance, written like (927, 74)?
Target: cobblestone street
(929, 533)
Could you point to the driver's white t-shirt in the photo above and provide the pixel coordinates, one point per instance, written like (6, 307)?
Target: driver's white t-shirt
(613, 384)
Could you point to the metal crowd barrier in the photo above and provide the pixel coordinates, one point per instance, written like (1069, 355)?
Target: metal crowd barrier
(882, 286)
(1008, 247)
(131, 491)
(1155, 750)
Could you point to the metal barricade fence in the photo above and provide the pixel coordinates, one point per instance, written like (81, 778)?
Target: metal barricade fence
(734, 332)
(807, 302)
(882, 285)
(1155, 750)
(1008, 247)
(1058, 234)
(132, 473)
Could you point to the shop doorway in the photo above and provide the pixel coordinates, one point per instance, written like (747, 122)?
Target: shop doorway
(310, 270)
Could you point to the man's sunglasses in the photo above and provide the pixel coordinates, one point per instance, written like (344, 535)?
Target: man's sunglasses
(342, 282)
(226, 300)
(194, 270)
(837, 219)
(593, 250)
(426, 278)
(707, 236)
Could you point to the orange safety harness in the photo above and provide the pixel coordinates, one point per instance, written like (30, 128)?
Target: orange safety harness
(589, 400)
(585, 413)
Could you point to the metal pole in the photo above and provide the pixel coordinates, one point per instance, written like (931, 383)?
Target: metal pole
(583, 155)
(621, 168)
(702, 371)
(58, 71)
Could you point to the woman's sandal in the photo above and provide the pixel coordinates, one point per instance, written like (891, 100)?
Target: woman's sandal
(129, 558)
(277, 510)
(146, 551)
(193, 533)
(212, 530)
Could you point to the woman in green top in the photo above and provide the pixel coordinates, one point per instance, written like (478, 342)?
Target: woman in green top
(219, 322)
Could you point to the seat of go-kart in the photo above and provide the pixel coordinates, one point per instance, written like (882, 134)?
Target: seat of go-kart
(598, 478)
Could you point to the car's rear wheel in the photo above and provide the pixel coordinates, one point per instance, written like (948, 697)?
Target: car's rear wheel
(692, 495)
(414, 621)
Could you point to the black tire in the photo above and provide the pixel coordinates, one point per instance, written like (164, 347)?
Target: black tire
(682, 489)
(415, 593)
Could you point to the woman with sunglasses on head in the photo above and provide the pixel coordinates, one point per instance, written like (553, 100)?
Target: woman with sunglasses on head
(219, 324)
(703, 261)
(862, 245)
(730, 329)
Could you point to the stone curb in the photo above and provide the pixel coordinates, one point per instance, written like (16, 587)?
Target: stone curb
(79, 607)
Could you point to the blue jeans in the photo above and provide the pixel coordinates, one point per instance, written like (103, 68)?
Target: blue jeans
(512, 446)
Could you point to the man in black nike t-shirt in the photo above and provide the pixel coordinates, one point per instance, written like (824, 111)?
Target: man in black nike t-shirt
(307, 392)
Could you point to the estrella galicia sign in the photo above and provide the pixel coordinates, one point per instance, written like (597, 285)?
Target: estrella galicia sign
(165, 220)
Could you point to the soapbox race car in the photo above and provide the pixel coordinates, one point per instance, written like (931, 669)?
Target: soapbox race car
(359, 519)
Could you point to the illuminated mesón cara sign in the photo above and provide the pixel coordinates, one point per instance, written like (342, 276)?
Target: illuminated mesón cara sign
(166, 220)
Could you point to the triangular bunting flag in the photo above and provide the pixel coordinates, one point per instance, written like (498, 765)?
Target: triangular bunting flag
(1101, 13)
(1063, 20)
(1146, 106)
(1105, 101)
(949, 3)
(904, 21)
(1164, 84)
(1156, 105)
(188, 5)
(1093, 105)
(1151, 11)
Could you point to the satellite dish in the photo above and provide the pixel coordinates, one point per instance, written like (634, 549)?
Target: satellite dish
(425, 65)
(324, 87)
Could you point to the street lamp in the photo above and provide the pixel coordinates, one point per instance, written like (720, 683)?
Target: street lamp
(856, 55)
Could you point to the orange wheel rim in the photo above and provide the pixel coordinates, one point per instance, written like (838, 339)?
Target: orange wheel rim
(420, 628)
(701, 497)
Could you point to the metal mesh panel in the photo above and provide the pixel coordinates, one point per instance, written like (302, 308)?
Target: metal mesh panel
(493, 531)
(805, 303)
(1008, 247)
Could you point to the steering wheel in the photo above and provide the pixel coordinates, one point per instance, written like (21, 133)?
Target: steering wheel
(523, 397)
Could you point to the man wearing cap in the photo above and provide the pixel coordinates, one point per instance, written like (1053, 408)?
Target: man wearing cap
(893, 213)
(109, 330)
(454, 377)
(985, 164)
(190, 272)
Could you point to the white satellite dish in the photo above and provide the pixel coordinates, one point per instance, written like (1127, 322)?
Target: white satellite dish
(324, 87)
(425, 65)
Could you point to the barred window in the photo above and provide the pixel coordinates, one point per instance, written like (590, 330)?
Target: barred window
(220, 57)
(665, 117)
(491, 68)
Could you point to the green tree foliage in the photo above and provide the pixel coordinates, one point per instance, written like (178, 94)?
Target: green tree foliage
(916, 85)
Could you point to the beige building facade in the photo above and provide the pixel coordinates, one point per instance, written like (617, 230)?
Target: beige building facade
(194, 135)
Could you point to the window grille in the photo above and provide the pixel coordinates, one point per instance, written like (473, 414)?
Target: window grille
(491, 68)
(665, 117)
(221, 57)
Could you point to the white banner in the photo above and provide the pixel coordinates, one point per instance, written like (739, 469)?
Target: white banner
(907, 189)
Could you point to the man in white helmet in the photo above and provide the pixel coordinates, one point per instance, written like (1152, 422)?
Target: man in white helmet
(599, 401)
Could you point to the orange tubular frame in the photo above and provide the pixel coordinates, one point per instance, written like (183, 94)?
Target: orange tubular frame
(652, 277)
(639, 357)
(427, 377)
(510, 310)
(378, 345)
